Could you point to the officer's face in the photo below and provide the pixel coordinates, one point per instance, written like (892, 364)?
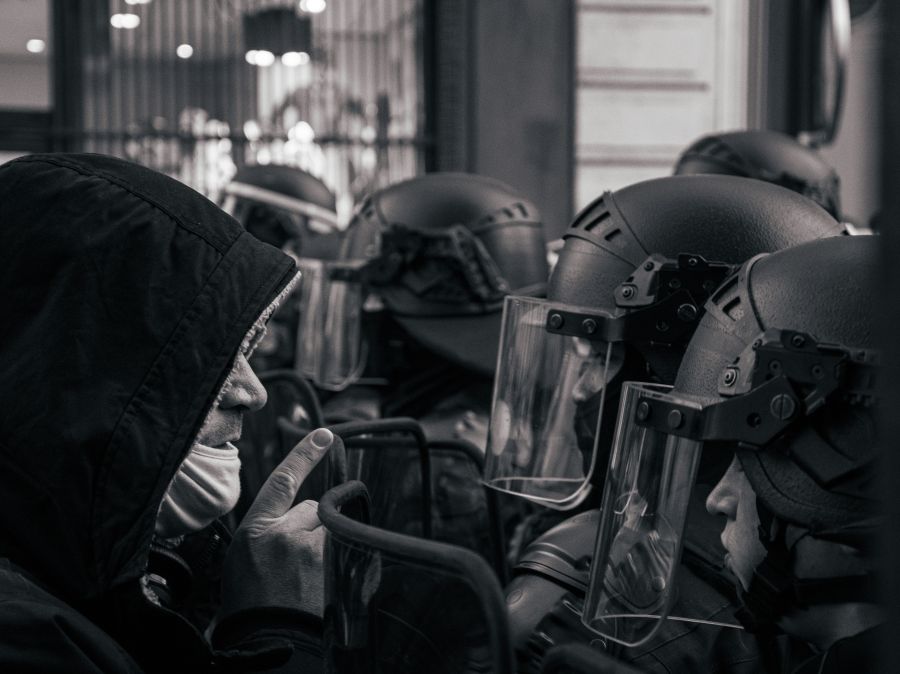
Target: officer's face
(734, 497)
(244, 392)
(595, 372)
(595, 376)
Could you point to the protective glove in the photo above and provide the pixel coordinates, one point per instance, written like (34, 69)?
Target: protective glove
(275, 559)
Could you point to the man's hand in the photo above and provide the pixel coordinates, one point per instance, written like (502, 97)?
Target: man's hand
(275, 558)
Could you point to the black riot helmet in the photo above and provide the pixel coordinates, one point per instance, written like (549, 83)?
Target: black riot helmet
(623, 300)
(285, 207)
(719, 219)
(765, 155)
(781, 370)
(820, 331)
(439, 252)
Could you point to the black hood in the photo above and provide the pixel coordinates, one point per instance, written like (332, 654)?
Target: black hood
(125, 297)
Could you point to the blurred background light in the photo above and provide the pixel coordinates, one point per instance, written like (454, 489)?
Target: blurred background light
(126, 21)
(252, 130)
(35, 46)
(302, 132)
(295, 58)
(264, 57)
(312, 6)
(368, 134)
(184, 51)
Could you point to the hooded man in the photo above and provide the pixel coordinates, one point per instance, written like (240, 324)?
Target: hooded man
(131, 305)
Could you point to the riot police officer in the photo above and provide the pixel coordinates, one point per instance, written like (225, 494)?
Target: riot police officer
(407, 322)
(779, 378)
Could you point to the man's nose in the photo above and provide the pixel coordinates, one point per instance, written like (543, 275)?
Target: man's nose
(244, 388)
(722, 500)
(714, 501)
(589, 383)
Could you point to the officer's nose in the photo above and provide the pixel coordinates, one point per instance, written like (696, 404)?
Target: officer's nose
(244, 388)
(590, 381)
(592, 375)
(723, 499)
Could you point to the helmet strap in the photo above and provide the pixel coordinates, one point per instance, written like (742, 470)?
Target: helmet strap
(766, 599)
(774, 589)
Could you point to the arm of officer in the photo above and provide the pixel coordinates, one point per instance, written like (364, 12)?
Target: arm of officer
(273, 582)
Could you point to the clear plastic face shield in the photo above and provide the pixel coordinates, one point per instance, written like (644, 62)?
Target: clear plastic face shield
(555, 364)
(548, 401)
(782, 376)
(257, 207)
(645, 503)
(330, 348)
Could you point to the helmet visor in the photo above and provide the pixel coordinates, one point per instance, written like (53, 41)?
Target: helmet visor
(251, 205)
(547, 407)
(645, 502)
(329, 341)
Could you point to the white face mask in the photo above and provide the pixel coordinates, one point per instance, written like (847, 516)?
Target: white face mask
(206, 486)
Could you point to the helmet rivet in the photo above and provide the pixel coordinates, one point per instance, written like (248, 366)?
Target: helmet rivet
(675, 419)
(648, 266)
(675, 283)
(662, 326)
(687, 312)
(729, 377)
(798, 341)
(657, 583)
(775, 366)
(817, 371)
(589, 325)
(556, 321)
(757, 343)
(643, 411)
(782, 407)
(628, 292)
(692, 262)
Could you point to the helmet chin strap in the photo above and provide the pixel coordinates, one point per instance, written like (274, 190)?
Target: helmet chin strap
(775, 590)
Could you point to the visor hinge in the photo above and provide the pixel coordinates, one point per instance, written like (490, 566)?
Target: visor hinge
(659, 277)
(817, 369)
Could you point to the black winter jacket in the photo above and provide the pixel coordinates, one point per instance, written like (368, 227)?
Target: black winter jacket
(124, 297)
